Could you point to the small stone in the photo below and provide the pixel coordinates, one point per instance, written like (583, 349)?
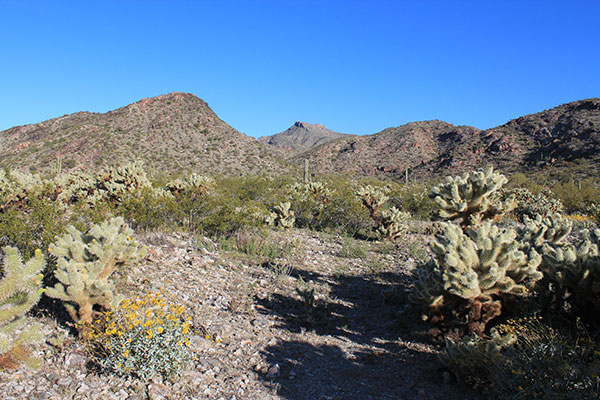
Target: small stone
(158, 391)
(273, 372)
(66, 381)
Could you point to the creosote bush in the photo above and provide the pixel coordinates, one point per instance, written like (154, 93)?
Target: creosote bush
(143, 337)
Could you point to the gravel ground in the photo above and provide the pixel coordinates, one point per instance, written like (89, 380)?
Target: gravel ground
(360, 339)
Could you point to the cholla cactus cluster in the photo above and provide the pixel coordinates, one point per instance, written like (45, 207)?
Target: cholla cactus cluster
(85, 264)
(576, 267)
(529, 205)
(110, 184)
(471, 272)
(16, 187)
(391, 222)
(116, 182)
(317, 191)
(472, 198)
(283, 216)
(20, 290)
(373, 199)
(551, 228)
(193, 182)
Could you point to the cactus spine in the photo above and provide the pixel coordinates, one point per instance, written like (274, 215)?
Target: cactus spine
(20, 290)
(85, 264)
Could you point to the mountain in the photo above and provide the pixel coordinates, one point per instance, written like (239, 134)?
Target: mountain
(179, 131)
(171, 132)
(565, 135)
(300, 137)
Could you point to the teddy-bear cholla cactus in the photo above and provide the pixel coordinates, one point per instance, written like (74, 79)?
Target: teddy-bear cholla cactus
(85, 263)
(470, 274)
(117, 182)
(77, 186)
(317, 191)
(20, 290)
(469, 357)
(16, 187)
(528, 204)
(471, 198)
(193, 182)
(576, 267)
(373, 199)
(551, 228)
(393, 223)
(284, 215)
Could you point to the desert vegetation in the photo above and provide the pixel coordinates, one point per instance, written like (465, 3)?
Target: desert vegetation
(508, 283)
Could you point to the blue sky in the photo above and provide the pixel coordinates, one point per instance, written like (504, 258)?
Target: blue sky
(355, 66)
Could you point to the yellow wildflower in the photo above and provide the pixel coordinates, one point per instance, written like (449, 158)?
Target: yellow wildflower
(126, 353)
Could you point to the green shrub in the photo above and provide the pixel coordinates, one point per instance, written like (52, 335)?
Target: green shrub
(526, 359)
(33, 229)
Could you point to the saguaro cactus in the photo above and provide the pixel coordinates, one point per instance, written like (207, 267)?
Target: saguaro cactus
(20, 290)
(471, 198)
(470, 274)
(85, 264)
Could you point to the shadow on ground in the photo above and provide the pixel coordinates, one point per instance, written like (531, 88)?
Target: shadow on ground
(370, 344)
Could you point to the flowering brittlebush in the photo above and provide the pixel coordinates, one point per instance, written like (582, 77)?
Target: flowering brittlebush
(143, 337)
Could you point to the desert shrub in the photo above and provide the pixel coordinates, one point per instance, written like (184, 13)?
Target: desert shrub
(33, 228)
(254, 242)
(143, 337)
(577, 196)
(413, 198)
(352, 248)
(527, 359)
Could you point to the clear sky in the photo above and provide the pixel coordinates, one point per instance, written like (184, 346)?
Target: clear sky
(354, 66)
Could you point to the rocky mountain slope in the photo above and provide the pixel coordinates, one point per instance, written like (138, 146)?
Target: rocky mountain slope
(300, 137)
(179, 131)
(169, 132)
(557, 137)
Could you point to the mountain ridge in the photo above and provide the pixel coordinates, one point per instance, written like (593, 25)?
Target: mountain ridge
(175, 131)
(179, 131)
(301, 136)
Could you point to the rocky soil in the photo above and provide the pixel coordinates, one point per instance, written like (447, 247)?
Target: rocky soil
(361, 339)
